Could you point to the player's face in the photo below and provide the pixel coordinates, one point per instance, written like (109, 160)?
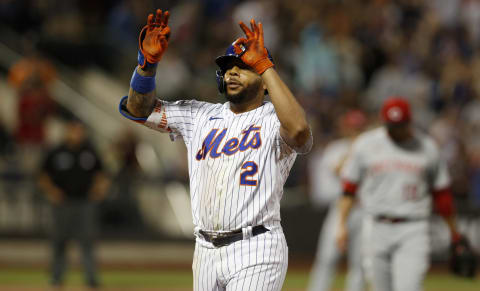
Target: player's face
(399, 132)
(242, 83)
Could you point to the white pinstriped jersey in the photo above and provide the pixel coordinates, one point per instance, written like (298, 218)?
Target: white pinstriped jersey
(238, 163)
(395, 181)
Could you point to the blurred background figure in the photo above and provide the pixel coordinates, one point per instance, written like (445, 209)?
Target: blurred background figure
(324, 171)
(32, 78)
(74, 182)
(120, 211)
(401, 178)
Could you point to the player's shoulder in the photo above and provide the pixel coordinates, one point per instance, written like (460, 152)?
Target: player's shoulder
(427, 141)
(373, 135)
(268, 109)
(206, 106)
(195, 103)
(337, 145)
(197, 107)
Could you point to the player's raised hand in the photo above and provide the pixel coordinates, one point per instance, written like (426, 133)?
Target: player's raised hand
(153, 39)
(253, 53)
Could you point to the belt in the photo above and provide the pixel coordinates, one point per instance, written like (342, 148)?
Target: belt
(390, 219)
(220, 239)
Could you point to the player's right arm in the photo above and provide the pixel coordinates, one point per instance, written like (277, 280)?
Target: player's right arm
(141, 104)
(351, 174)
(345, 205)
(153, 42)
(442, 193)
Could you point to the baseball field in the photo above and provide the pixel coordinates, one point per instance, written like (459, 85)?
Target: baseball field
(179, 280)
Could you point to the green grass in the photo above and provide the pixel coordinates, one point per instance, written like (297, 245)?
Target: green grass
(177, 279)
(137, 278)
(434, 282)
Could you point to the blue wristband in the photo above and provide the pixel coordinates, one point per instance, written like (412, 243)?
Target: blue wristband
(143, 62)
(142, 84)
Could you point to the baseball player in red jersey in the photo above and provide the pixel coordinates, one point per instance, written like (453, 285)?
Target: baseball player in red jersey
(397, 174)
(239, 156)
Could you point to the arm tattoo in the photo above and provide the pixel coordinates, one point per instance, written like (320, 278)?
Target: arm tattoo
(140, 105)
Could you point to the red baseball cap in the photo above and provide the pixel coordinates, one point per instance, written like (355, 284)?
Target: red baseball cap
(396, 110)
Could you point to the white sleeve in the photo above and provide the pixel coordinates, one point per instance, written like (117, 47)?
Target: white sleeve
(442, 179)
(440, 176)
(326, 184)
(176, 118)
(352, 170)
(284, 148)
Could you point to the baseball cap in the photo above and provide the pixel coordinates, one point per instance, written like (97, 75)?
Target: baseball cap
(396, 110)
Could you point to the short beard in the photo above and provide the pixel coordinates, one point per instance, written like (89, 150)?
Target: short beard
(247, 94)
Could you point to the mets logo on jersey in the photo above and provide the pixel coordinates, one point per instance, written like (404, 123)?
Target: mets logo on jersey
(211, 144)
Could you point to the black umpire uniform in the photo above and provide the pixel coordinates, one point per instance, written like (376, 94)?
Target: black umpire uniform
(72, 177)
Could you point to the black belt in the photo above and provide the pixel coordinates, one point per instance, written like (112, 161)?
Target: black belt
(221, 239)
(390, 219)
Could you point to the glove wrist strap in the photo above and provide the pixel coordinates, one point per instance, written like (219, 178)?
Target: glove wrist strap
(143, 63)
(262, 65)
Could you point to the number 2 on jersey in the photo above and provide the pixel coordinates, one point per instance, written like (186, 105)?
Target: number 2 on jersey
(249, 170)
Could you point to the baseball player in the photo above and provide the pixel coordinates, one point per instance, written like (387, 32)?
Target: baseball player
(397, 174)
(328, 187)
(239, 156)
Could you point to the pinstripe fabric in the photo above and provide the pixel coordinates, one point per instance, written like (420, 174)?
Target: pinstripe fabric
(238, 164)
(255, 264)
(220, 202)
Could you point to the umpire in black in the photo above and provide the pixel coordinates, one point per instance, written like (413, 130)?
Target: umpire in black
(73, 180)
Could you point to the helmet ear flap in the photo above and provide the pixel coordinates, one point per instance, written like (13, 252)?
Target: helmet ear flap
(220, 81)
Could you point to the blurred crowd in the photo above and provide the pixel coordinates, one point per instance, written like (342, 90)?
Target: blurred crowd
(336, 55)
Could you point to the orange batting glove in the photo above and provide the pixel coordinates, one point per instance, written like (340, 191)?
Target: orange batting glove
(254, 54)
(153, 39)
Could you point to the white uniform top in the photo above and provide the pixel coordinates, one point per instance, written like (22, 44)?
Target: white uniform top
(326, 184)
(394, 181)
(237, 163)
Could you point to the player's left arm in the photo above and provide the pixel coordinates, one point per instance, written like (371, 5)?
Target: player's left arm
(443, 205)
(462, 259)
(351, 175)
(442, 193)
(294, 128)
